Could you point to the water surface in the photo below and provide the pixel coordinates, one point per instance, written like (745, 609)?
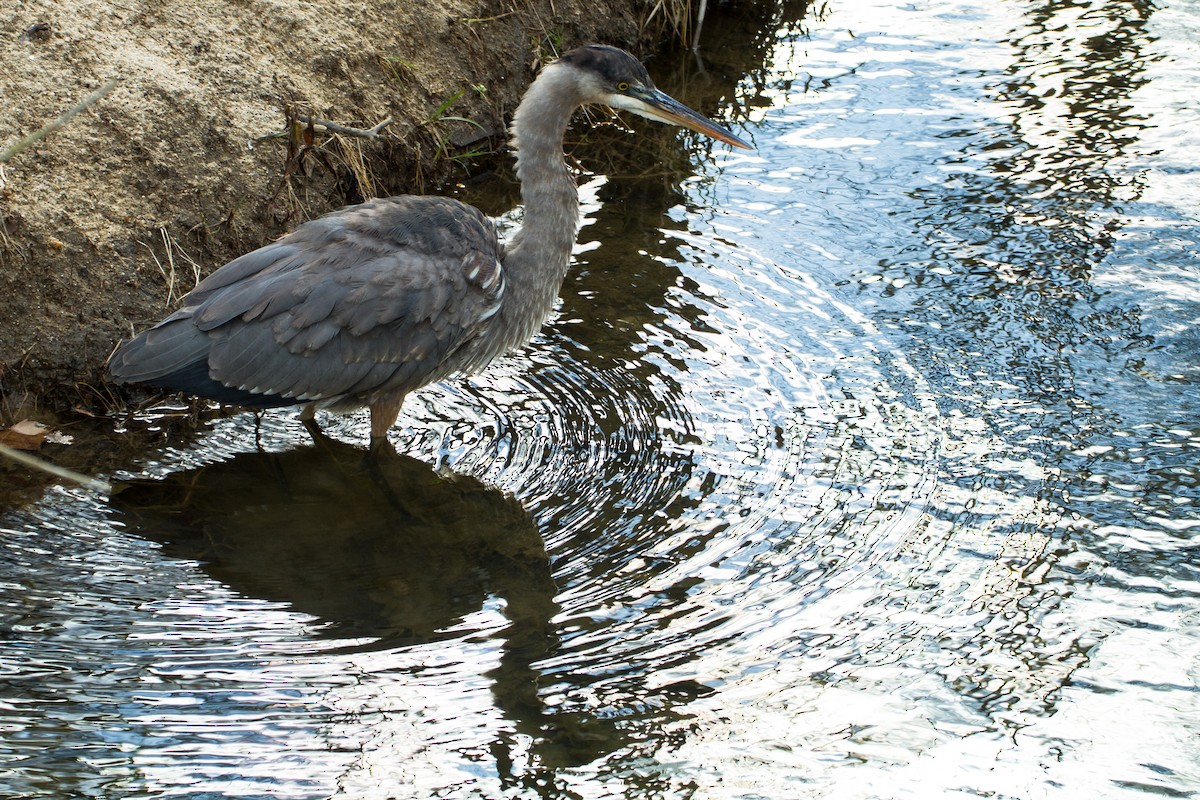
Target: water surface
(862, 465)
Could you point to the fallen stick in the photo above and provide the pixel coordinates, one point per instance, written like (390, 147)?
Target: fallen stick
(52, 126)
(365, 133)
(95, 484)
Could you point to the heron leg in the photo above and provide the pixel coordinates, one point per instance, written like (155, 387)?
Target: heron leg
(308, 417)
(383, 416)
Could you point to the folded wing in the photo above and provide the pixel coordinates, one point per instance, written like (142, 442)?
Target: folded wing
(377, 298)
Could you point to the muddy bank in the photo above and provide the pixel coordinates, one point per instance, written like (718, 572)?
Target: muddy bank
(201, 152)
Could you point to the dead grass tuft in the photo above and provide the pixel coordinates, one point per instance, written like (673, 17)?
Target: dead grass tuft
(170, 271)
(672, 17)
(350, 153)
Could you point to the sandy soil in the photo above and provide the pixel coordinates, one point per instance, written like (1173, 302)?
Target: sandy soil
(107, 222)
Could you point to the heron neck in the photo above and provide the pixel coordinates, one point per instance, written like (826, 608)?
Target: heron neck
(539, 253)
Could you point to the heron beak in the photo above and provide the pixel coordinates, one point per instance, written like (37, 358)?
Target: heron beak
(657, 105)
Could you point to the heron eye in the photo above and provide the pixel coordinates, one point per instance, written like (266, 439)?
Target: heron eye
(622, 87)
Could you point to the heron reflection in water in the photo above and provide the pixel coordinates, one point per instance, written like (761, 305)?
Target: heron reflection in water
(387, 552)
(366, 304)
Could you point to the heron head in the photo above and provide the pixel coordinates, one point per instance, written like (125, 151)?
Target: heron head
(621, 81)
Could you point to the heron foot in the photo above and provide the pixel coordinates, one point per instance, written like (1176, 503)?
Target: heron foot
(314, 430)
(380, 446)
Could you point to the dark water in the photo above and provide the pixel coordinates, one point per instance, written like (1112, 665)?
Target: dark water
(864, 465)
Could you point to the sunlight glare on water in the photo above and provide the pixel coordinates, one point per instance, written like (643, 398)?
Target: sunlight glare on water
(860, 465)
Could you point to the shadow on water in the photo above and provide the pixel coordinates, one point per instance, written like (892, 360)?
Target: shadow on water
(385, 553)
(383, 549)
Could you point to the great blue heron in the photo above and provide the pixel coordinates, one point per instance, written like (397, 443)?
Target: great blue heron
(364, 305)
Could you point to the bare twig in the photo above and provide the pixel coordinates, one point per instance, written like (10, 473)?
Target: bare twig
(333, 127)
(170, 245)
(95, 484)
(474, 20)
(54, 125)
(699, 24)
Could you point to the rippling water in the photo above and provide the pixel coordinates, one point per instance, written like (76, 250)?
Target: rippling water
(863, 465)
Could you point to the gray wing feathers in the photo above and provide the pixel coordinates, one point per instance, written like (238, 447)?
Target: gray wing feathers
(377, 297)
(159, 351)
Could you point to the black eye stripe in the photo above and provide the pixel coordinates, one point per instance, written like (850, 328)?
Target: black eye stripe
(612, 65)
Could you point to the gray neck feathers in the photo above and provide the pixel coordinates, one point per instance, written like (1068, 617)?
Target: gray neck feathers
(539, 253)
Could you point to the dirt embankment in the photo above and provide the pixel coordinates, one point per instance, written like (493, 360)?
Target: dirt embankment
(107, 222)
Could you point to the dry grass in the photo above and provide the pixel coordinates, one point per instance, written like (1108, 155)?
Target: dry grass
(674, 17)
(171, 271)
(350, 152)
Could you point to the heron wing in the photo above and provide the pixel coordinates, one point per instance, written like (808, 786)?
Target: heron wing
(373, 298)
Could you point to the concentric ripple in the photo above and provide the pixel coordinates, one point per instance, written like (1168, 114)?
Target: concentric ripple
(707, 496)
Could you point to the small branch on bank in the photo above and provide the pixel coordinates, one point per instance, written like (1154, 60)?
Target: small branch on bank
(54, 125)
(333, 127)
(33, 462)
